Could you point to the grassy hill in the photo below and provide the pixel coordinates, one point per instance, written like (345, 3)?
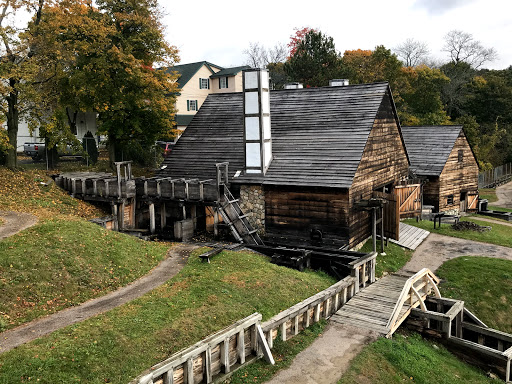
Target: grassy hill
(202, 299)
(64, 259)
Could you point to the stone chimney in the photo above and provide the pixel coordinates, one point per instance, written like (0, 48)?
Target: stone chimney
(257, 135)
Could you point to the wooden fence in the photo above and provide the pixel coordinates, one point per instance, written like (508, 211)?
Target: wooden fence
(464, 334)
(246, 340)
(495, 177)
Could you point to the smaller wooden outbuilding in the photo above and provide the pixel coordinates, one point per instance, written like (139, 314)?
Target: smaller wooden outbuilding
(443, 157)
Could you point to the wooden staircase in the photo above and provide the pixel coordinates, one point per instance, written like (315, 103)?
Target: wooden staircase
(236, 220)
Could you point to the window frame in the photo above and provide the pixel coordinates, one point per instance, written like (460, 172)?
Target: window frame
(192, 105)
(450, 199)
(225, 78)
(205, 85)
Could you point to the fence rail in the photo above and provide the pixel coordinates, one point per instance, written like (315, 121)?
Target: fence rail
(248, 339)
(495, 177)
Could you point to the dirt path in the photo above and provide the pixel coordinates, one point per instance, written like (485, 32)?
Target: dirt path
(327, 358)
(176, 259)
(330, 355)
(504, 194)
(15, 222)
(505, 223)
(437, 249)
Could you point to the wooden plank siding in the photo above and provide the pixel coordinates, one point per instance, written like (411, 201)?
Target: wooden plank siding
(384, 161)
(458, 176)
(298, 210)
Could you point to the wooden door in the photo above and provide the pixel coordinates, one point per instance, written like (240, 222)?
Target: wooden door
(391, 215)
(409, 199)
(472, 201)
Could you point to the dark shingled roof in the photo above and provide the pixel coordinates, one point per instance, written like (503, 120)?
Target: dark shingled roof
(428, 147)
(229, 71)
(187, 71)
(318, 136)
(183, 119)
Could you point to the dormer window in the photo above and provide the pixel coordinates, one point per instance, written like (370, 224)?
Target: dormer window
(223, 82)
(204, 83)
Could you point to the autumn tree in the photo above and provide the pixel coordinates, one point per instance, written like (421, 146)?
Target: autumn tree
(314, 60)
(462, 47)
(16, 70)
(412, 52)
(106, 58)
(421, 102)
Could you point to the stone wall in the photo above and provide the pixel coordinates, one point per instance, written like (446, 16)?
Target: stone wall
(252, 202)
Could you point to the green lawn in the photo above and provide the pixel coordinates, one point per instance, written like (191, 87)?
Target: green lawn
(489, 194)
(394, 259)
(60, 263)
(409, 358)
(485, 285)
(499, 235)
(202, 299)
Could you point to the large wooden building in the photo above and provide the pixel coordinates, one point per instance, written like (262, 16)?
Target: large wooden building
(332, 148)
(443, 157)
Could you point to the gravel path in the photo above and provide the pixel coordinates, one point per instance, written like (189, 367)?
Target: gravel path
(15, 222)
(176, 259)
(504, 194)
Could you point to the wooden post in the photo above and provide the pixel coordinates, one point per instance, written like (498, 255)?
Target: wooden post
(283, 331)
(382, 229)
(296, 325)
(270, 339)
(152, 218)
(317, 313)
(121, 215)
(216, 220)
(224, 355)
(374, 229)
(169, 377)
(306, 319)
(208, 365)
(163, 216)
(189, 368)
(355, 274)
(241, 346)
(116, 218)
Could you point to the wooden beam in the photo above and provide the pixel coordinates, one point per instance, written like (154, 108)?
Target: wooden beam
(263, 342)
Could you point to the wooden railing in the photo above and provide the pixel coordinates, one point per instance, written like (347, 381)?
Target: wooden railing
(414, 293)
(465, 335)
(211, 357)
(320, 306)
(363, 270)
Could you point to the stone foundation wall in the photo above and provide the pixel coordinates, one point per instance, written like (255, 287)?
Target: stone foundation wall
(252, 202)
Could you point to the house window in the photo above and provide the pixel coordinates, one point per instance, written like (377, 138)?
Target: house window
(192, 105)
(449, 200)
(461, 155)
(223, 82)
(204, 83)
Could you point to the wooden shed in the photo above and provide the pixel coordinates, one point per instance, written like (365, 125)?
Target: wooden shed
(443, 157)
(333, 149)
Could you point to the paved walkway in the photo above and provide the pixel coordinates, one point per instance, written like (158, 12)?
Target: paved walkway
(15, 222)
(504, 194)
(176, 259)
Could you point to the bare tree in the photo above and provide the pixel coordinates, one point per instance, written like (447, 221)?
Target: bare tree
(412, 52)
(462, 47)
(260, 57)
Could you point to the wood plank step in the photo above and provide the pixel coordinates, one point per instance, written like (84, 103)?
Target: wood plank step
(381, 330)
(362, 318)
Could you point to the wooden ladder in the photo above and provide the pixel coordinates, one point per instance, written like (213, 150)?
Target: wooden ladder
(236, 220)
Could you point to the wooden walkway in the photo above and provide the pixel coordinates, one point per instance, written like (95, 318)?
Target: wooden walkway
(372, 307)
(384, 305)
(410, 237)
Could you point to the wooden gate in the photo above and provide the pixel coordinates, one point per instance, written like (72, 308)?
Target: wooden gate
(391, 217)
(472, 201)
(409, 198)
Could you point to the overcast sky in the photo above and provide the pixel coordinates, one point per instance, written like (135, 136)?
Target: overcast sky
(220, 31)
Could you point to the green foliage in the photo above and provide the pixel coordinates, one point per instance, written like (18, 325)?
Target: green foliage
(315, 60)
(421, 98)
(485, 285)
(202, 299)
(394, 259)
(90, 148)
(410, 358)
(499, 235)
(64, 262)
